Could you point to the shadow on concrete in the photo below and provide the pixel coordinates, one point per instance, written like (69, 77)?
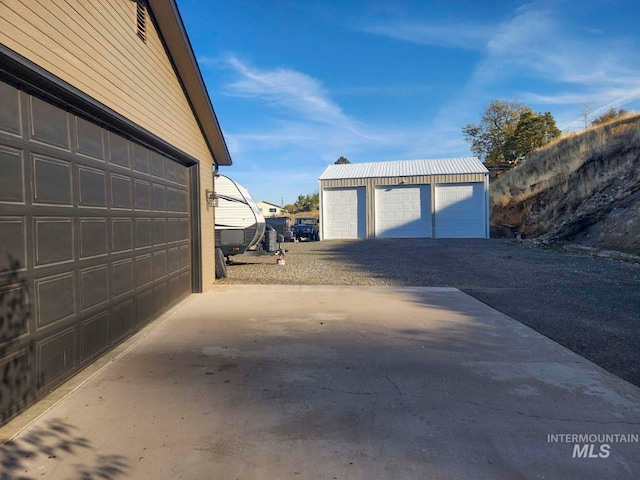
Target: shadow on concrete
(57, 441)
(343, 383)
(327, 392)
(589, 305)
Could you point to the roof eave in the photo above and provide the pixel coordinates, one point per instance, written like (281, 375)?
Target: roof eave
(175, 36)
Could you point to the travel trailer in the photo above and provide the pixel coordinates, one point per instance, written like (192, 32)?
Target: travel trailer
(239, 224)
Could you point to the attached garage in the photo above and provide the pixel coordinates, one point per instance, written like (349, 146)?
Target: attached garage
(97, 226)
(439, 198)
(108, 144)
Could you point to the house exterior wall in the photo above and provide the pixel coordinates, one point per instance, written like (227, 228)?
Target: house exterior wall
(265, 208)
(94, 47)
(207, 223)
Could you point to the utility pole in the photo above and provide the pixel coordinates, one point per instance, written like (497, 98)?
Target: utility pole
(586, 112)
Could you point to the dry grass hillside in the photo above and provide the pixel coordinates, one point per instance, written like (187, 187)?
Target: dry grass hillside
(311, 213)
(583, 188)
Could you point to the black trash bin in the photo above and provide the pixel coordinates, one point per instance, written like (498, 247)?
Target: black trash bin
(270, 242)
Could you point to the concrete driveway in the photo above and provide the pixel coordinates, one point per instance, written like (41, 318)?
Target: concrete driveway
(323, 382)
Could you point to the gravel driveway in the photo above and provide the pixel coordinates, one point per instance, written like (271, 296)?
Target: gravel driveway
(590, 305)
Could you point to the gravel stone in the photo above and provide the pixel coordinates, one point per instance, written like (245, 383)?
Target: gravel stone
(589, 304)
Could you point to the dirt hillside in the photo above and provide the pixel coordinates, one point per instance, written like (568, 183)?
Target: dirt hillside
(583, 188)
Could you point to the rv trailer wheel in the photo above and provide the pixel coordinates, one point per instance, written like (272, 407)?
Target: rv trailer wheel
(221, 265)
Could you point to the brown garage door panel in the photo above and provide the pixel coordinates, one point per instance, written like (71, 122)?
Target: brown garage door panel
(10, 110)
(121, 321)
(12, 178)
(56, 357)
(14, 310)
(95, 233)
(12, 236)
(95, 335)
(16, 389)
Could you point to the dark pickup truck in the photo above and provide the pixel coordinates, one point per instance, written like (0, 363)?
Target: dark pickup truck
(306, 227)
(282, 225)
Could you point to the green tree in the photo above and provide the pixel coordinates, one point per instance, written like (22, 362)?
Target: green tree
(314, 201)
(509, 131)
(533, 131)
(498, 123)
(341, 161)
(302, 203)
(305, 203)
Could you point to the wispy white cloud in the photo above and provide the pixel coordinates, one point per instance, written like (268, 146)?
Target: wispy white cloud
(289, 92)
(464, 35)
(284, 87)
(305, 127)
(616, 97)
(537, 42)
(562, 69)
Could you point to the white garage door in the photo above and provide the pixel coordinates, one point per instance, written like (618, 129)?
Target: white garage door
(460, 210)
(343, 213)
(403, 211)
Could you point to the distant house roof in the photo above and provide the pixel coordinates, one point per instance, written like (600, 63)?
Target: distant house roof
(269, 203)
(405, 168)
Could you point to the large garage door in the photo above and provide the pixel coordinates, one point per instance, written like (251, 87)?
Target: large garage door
(94, 242)
(460, 210)
(403, 211)
(343, 213)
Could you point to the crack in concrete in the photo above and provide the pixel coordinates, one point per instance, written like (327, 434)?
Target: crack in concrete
(314, 387)
(396, 386)
(332, 390)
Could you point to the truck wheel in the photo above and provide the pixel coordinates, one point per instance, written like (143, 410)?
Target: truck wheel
(221, 265)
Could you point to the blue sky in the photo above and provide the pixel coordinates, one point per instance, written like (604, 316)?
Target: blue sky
(295, 85)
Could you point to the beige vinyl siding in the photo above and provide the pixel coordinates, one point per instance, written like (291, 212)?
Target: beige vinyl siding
(208, 229)
(94, 47)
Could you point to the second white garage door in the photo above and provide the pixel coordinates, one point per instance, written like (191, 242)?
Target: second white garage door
(403, 211)
(343, 213)
(460, 210)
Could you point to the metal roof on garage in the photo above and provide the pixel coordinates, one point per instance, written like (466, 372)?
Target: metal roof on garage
(405, 168)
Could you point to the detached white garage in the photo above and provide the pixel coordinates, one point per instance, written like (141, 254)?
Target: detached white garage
(440, 198)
